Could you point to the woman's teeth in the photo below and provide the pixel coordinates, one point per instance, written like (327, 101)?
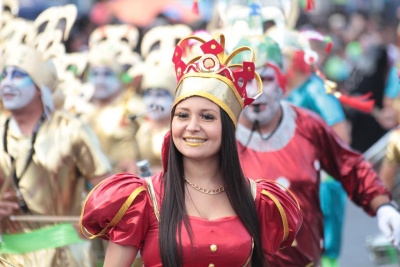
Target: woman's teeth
(194, 141)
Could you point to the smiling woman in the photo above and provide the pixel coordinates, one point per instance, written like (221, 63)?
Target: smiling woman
(196, 129)
(184, 216)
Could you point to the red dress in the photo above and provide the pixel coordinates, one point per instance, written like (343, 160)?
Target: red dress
(304, 145)
(222, 242)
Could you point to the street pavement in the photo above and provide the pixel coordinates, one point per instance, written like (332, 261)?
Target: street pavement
(358, 225)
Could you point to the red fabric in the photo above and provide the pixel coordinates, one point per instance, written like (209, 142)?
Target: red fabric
(310, 5)
(358, 102)
(281, 78)
(268, 216)
(299, 64)
(314, 146)
(195, 7)
(139, 226)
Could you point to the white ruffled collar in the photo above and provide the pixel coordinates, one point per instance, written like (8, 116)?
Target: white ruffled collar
(280, 138)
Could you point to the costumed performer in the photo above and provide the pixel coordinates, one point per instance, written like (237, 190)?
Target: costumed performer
(110, 50)
(46, 157)
(291, 145)
(184, 216)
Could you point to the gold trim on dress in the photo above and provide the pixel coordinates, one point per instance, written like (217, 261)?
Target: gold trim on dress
(253, 188)
(153, 197)
(290, 192)
(281, 211)
(116, 218)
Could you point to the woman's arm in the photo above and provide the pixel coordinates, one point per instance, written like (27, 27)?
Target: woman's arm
(118, 255)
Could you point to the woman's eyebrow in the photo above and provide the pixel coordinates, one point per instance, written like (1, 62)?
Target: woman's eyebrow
(202, 110)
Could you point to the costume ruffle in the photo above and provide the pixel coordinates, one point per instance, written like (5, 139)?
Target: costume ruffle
(279, 216)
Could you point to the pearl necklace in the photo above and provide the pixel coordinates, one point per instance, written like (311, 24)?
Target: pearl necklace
(206, 191)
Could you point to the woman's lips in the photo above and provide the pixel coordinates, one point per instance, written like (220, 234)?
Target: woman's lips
(194, 141)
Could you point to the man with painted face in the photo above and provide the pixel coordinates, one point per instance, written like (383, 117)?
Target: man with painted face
(109, 118)
(291, 145)
(158, 96)
(46, 159)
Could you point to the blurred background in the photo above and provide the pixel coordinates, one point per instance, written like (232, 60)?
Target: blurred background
(365, 37)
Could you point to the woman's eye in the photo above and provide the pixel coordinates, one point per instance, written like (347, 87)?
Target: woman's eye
(208, 117)
(182, 115)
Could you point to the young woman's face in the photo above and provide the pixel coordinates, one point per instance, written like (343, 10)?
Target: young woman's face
(196, 128)
(17, 88)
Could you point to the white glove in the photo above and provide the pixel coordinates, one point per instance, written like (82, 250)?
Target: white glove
(389, 223)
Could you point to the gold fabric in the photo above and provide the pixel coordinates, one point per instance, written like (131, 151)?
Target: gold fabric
(214, 87)
(150, 141)
(67, 153)
(393, 148)
(116, 133)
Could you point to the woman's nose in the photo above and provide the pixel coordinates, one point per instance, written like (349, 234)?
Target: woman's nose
(193, 125)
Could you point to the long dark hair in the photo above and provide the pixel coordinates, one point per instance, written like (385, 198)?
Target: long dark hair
(173, 204)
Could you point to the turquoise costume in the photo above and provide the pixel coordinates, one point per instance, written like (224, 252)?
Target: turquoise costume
(312, 95)
(392, 87)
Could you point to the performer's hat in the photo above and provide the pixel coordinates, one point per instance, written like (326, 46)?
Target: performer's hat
(213, 77)
(267, 52)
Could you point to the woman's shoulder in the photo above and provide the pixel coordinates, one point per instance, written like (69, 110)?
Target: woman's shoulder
(279, 214)
(120, 198)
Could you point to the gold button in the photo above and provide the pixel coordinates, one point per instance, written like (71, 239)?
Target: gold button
(213, 248)
(213, 46)
(211, 265)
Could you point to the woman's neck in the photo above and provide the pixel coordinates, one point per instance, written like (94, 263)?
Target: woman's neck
(203, 172)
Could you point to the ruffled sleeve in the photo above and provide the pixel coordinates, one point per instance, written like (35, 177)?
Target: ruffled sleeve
(117, 210)
(279, 216)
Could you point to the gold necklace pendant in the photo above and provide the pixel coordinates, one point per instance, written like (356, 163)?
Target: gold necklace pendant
(206, 191)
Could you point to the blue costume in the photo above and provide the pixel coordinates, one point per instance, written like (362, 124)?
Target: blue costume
(392, 87)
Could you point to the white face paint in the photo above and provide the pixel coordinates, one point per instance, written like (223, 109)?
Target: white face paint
(17, 88)
(264, 108)
(105, 81)
(158, 97)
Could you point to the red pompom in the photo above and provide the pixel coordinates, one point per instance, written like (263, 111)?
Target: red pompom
(310, 5)
(328, 47)
(360, 103)
(195, 7)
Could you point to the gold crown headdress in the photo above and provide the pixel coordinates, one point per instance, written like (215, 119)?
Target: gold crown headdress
(10, 9)
(112, 46)
(40, 53)
(155, 74)
(156, 61)
(166, 42)
(213, 77)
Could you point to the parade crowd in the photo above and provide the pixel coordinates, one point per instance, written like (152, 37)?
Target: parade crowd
(235, 142)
